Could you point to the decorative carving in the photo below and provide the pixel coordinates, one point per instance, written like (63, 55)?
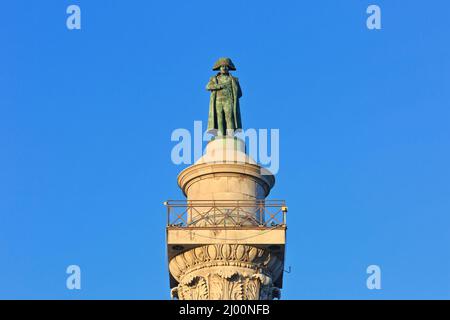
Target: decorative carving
(226, 272)
(197, 289)
(223, 286)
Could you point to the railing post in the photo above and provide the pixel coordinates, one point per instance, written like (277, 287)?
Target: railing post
(214, 212)
(168, 213)
(188, 213)
(261, 213)
(238, 212)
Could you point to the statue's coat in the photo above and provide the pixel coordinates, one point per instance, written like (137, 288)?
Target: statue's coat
(237, 93)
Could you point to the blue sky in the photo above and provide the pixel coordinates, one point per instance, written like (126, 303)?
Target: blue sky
(86, 118)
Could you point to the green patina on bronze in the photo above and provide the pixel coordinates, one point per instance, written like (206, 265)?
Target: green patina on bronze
(224, 113)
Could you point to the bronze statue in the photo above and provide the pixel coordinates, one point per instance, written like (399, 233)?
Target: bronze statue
(224, 114)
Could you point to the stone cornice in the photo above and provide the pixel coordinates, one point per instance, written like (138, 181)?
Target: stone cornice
(198, 171)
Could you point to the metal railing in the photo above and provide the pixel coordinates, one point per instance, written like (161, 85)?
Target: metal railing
(226, 213)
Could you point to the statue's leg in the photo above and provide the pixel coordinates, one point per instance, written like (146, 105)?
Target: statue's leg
(228, 111)
(220, 118)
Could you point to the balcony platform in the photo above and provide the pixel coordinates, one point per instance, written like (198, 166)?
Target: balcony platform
(259, 223)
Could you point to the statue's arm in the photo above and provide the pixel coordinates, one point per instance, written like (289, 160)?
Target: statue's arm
(212, 85)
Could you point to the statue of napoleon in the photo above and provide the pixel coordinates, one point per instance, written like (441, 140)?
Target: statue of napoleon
(224, 114)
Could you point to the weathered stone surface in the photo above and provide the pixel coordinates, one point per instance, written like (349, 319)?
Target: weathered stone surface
(218, 176)
(226, 271)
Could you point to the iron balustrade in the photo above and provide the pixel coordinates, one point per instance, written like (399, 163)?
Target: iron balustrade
(226, 213)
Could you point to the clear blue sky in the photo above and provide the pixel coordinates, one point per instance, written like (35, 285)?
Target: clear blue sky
(86, 118)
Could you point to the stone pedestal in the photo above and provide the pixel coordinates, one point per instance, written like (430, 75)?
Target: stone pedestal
(225, 250)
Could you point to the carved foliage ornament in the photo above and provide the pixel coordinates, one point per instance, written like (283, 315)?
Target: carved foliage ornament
(225, 272)
(219, 286)
(223, 255)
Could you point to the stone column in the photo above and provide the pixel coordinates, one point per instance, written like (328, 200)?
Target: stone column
(235, 269)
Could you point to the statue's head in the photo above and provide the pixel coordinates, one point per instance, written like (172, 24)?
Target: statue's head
(224, 69)
(224, 65)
